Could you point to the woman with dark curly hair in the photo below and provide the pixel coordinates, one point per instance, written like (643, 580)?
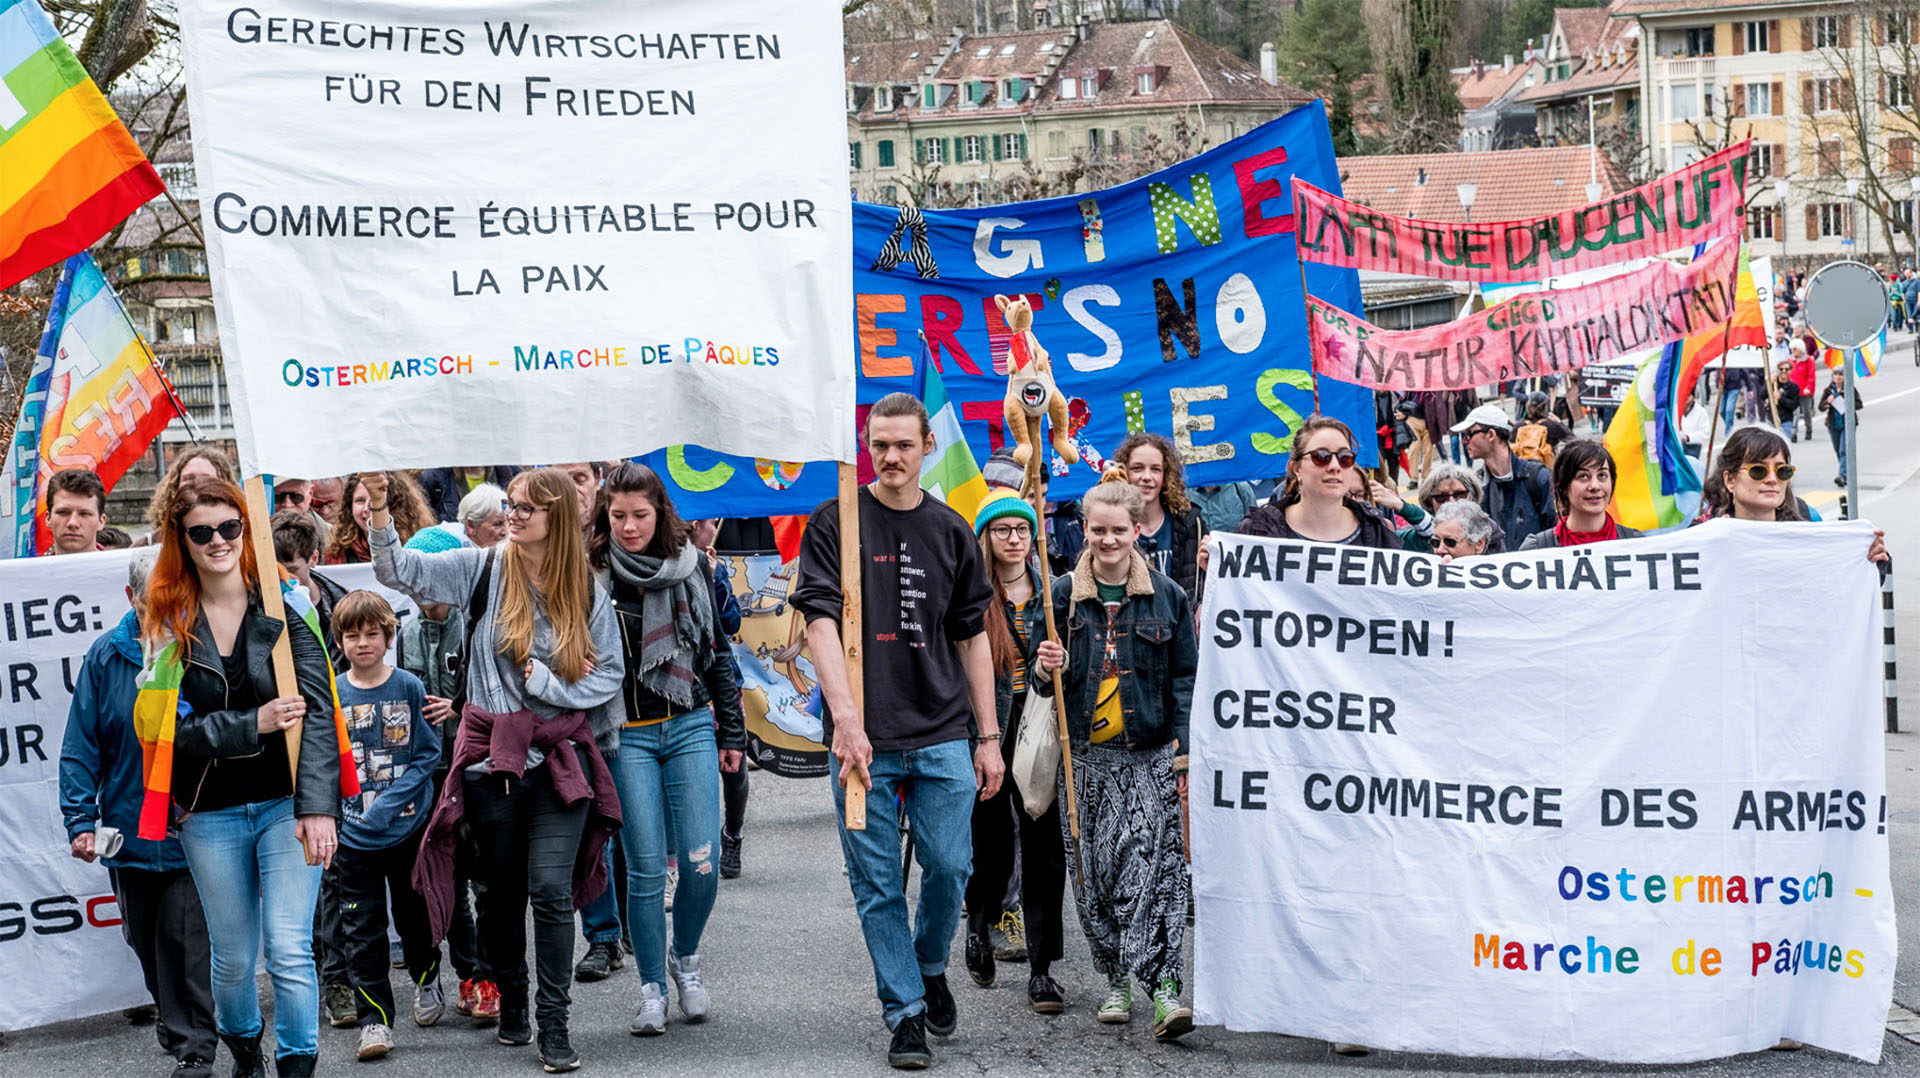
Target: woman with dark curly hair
(348, 543)
(1171, 532)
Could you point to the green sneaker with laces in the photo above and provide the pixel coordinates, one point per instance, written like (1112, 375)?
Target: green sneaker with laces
(1171, 1019)
(1117, 1008)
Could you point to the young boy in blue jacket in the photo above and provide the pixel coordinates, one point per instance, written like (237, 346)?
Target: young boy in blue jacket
(101, 784)
(394, 749)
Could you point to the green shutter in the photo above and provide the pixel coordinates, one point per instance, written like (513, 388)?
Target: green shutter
(996, 148)
(926, 95)
(886, 153)
(1023, 145)
(919, 152)
(953, 150)
(856, 155)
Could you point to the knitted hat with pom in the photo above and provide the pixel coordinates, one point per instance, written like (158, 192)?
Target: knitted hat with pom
(1003, 503)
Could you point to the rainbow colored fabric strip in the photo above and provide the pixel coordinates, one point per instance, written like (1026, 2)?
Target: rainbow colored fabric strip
(69, 170)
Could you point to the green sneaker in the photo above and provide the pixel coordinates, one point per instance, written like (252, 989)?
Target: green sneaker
(1117, 1008)
(1171, 1020)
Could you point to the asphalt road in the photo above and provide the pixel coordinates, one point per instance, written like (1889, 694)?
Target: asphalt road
(793, 990)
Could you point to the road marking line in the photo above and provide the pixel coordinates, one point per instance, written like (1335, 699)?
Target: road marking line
(1894, 396)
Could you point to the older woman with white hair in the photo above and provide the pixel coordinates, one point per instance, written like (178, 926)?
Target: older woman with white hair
(1461, 529)
(1444, 482)
(481, 516)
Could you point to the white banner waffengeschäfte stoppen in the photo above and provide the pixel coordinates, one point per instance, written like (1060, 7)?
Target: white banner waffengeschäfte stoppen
(483, 231)
(1567, 804)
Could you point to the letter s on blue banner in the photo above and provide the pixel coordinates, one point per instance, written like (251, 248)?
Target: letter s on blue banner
(1169, 304)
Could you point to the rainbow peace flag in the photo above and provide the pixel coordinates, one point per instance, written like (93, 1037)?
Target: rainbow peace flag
(95, 399)
(1866, 360)
(1656, 484)
(69, 171)
(950, 472)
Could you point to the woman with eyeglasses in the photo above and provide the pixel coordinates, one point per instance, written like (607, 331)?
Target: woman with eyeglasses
(1444, 482)
(1582, 489)
(1016, 624)
(1461, 529)
(1752, 479)
(406, 508)
(1316, 502)
(679, 677)
(247, 816)
(543, 667)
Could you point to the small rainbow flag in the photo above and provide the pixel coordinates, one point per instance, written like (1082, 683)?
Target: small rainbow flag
(96, 398)
(69, 171)
(1657, 485)
(1866, 359)
(950, 470)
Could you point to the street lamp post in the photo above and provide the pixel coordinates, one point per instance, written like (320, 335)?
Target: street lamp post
(1467, 191)
(1780, 189)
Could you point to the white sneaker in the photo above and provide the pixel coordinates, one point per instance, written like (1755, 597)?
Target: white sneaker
(376, 1041)
(650, 1020)
(429, 1003)
(685, 971)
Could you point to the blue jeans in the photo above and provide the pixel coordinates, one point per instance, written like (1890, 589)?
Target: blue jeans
(939, 795)
(600, 920)
(1839, 436)
(254, 880)
(668, 775)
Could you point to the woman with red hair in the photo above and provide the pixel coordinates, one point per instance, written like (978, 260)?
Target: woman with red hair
(246, 815)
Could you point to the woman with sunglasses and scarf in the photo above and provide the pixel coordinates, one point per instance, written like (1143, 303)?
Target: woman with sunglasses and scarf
(1582, 489)
(544, 663)
(1316, 503)
(247, 815)
(1752, 479)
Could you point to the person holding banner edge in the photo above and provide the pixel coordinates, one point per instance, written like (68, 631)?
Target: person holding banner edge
(544, 664)
(929, 695)
(246, 814)
(1752, 479)
(1128, 690)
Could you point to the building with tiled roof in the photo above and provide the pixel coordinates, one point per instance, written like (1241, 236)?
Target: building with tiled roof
(1491, 117)
(1591, 69)
(1507, 184)
(1782, 72)
(974, 111)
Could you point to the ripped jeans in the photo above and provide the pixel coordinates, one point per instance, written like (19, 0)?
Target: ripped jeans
(674, 763)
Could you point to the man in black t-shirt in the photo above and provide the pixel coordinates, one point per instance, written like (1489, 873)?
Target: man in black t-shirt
(929, 729)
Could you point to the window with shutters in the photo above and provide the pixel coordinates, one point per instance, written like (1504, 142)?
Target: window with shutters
(929, 96)
(883, 99)
(1831, 219)
(1069, 88)
(1136, 139)
(933, 151)
(1826, 31)
(972, 149)
(853, 154)
(1832, 158)
(1827, 95)
(1757, 98)
(1761, 223)
(1754, 37)
(1900, 153)
(1899, 91)
(1760, 161)
(1011, 147)
(884, 148)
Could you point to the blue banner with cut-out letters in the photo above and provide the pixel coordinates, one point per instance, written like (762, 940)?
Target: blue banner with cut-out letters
(1169, 304)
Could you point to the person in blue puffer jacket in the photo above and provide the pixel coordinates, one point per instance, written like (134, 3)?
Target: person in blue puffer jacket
(101, 784)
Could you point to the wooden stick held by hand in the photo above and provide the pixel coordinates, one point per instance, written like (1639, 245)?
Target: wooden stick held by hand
(852, 629)
(260, 534)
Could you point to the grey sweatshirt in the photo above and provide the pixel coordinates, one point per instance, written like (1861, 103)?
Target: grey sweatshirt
(501, 686)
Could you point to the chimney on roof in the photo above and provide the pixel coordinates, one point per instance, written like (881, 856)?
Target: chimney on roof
(1479, 70)
(1269, 64)
(1420, 178)
(1508, 64)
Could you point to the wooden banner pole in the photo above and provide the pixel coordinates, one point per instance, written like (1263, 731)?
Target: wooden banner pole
(852, 628)
(260, 535)
(1031, 490)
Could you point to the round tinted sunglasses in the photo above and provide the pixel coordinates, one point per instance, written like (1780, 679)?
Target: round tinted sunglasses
(202, 534)
(1758, 472)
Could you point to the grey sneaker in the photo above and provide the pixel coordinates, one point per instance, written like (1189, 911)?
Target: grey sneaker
(429, 1003)
(376, 1041)
(650, 1020)
(685, 971)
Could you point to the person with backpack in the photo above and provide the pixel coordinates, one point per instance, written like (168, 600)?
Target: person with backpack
(1518, 492)
(1539, 436)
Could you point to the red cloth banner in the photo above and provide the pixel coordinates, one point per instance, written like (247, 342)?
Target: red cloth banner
(1534, 334)
(1698, 204)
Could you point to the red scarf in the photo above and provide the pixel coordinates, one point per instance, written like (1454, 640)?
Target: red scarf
(1565, 536)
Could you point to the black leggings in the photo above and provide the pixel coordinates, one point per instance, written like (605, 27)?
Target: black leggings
(733, 787)
(1043, 865)
(527, 841)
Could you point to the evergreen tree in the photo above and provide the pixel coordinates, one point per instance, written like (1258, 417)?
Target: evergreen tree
(1323, 48)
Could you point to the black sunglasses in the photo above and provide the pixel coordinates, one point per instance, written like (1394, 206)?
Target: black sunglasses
(1324, 457)
(202, 534)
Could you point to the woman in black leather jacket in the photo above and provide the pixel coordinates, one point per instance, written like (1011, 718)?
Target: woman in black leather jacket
(248, 806)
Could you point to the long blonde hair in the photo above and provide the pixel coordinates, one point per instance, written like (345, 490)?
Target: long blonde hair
(565, 582)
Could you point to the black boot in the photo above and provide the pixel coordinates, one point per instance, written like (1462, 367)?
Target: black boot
(556, 1050)
(515, 1027)
(295, 1066)
(246, 1056)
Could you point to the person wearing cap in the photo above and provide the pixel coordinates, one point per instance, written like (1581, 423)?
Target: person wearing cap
(101, 788)
(1518, 493)
(1016, 623)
